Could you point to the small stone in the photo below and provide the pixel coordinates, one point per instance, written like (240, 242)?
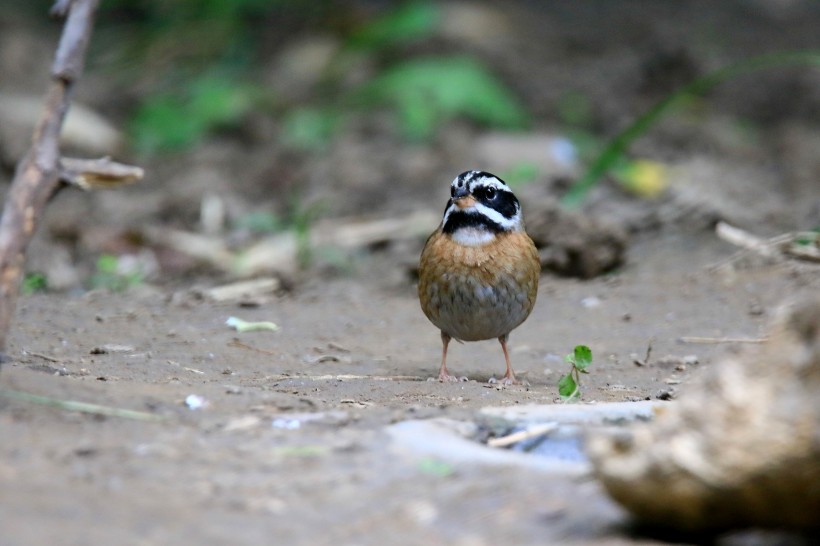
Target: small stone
(691, 360)
(666, 394)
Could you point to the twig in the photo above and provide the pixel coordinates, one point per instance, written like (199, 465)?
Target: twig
(799, 245)
(84, 407)
(39, 172)
(44, 357)
(520, 436)
(239, 345)
(91, 174)
(744, 239)
(706, 340)
(645, 361)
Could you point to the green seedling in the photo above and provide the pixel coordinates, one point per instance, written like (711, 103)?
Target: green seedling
(110, 276)
(569, 386)
(34, 282)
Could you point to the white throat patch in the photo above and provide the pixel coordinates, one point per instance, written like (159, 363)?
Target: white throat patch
(470, 236)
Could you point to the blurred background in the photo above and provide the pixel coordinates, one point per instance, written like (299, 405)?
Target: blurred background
(312, 139)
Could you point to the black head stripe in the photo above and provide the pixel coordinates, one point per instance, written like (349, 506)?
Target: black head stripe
(494, 193)
(460, 219)
(503, 201)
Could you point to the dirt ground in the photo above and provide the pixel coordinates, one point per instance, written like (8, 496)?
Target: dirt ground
(292, 443)
(227, 473)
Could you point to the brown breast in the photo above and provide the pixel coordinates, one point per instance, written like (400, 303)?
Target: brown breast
(481, 292)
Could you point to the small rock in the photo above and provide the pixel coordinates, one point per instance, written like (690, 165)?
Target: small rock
(195, 402)
(690, 360)
(666, 394)
(756, 310)
(590, 302)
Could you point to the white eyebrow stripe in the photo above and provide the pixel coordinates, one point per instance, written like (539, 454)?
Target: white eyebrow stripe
(486, 182)
(472, 179)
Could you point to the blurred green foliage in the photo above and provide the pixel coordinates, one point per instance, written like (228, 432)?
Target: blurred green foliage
(520, 174)
(260, 222)
(310, 128)
(171, 121)
(613, 154)
(406, 24)
(34, 282)
(429, 92)
(196, 65)
(110, 276)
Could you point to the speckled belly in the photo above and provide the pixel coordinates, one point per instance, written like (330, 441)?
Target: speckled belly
(469, 310)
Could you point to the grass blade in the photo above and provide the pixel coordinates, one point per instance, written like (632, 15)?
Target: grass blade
(616, 147)
(84, 407)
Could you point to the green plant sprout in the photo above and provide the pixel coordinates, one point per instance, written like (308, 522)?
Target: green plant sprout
(614, 151)
(34, 282)
(569, 386)
(109, 276)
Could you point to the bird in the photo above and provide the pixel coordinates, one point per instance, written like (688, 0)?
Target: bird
(479, 270)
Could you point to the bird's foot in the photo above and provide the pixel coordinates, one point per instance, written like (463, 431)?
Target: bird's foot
(445, 377)
(508, 379)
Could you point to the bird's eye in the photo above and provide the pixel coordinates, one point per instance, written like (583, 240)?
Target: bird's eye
(489, 193)
(452, 191)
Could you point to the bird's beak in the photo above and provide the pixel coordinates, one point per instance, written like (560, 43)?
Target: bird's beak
(463, 199)
(466, 202)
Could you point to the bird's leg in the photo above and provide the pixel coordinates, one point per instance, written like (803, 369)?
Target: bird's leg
(509, 377)
(443, 374)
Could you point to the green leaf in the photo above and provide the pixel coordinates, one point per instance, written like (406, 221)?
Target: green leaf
(429, 92)
(34, 282)
(163, 123)
(217, 99)
(408, 23)
(108, 275)
(567, 387)
(107, 263)
(583, 357)
(180, 120)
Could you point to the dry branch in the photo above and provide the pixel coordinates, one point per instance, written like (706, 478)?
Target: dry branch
(40, 171)
(91, 174)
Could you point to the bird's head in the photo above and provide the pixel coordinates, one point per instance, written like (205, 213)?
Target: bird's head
(481, 206)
